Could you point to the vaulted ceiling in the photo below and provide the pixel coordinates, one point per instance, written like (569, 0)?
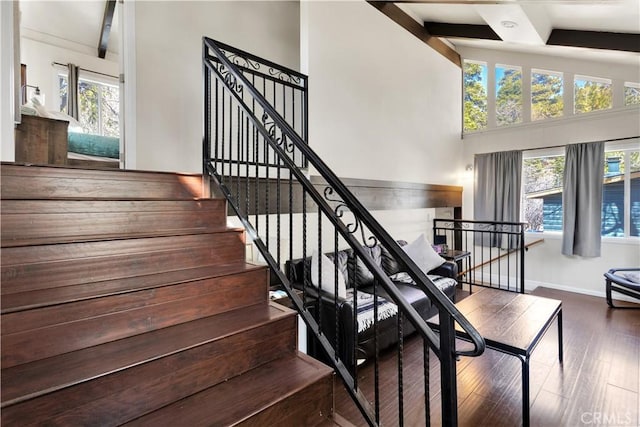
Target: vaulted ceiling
(77, 23)
(596, 29)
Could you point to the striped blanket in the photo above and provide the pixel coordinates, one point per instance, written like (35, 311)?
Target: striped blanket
(440, 281)
(365, 309)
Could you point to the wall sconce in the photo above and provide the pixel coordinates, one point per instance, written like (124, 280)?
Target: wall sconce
(469, 167)
(36, 94)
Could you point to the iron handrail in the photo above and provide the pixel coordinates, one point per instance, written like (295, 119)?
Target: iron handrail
(356, 207)
(448, 312)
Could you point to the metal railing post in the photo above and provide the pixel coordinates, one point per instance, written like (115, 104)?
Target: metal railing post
(448, 380)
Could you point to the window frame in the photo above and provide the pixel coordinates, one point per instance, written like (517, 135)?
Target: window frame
(486, 89)
(90, 77)
(625, 146)
(496, 87)
(600, 80)
(562, 93)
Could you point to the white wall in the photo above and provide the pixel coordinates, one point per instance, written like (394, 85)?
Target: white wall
(169, 95)
(382, 104)
(7, 81)
(39, 55)
(545, 265)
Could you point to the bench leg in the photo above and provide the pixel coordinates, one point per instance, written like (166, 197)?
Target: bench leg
(525, 391)
(560, 336)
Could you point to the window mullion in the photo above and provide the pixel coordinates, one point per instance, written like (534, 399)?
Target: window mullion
(627, 193)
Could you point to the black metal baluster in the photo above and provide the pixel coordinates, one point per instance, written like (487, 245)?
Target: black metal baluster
(290, 216)
(399, 315)
(247, 163)
(276, 156)
(230, 180)
(376, 357)
(239, 118)
(319, 264)
(336, 343)
(305, 272)
(427, 388)
(293, 122)
(267, 183)
(222, 160)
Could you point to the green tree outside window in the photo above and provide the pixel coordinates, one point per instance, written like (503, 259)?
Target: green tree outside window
(546, 95)
(475, 96)
(592, 95)
(508, 96)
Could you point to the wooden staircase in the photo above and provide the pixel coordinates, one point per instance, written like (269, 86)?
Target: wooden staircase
(127, 300)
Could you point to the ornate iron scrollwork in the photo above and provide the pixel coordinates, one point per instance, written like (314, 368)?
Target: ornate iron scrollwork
(271, 127)
(285, 77)
(340, 209)
(241, 61)
(229, 79)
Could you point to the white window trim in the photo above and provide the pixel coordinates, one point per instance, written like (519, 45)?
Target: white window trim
(627, 147)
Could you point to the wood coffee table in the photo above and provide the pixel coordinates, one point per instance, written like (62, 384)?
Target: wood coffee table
(511, 323)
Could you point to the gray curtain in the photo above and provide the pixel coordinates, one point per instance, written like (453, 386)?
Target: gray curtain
(72, 91)
(582, 199)
(496, 195)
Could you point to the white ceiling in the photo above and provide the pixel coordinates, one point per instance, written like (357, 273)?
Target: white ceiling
(80, 22)
(535, 19)
(68, 22)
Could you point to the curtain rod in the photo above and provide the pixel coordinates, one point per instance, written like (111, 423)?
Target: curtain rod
(590, 142)
(564, 145)
(91, 71)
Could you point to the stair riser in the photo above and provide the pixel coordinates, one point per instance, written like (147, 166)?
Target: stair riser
(53, 221)
(77, 263)
(126, 395)
(308, 407)
(41, 182)
(37, 334)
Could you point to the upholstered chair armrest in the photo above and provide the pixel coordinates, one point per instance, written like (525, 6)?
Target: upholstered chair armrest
(447, 269)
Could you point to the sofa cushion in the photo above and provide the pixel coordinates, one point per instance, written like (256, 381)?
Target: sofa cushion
(364, 277)
(422, 253)
(323, 275)
(389, 264)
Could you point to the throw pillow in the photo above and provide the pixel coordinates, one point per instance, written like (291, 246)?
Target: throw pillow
(328, 275)
(421, 252)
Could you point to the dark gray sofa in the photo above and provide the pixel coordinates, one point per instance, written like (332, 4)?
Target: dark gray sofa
(352, 350)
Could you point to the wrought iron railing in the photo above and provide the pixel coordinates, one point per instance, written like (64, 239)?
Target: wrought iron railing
(490, 253)
(255, 151)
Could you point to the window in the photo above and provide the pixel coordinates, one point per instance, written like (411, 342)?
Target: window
(631, 93)
(546, 94)
(508, 95)
(542, 193)
(591, 94)
(621, 167)
(98, 104)
(475, 95)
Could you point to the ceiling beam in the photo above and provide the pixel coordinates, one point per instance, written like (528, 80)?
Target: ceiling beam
(109, 10)
(401, 18)
(595, 39)
(464, 31)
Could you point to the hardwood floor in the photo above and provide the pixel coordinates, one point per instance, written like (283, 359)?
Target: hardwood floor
(598, 383)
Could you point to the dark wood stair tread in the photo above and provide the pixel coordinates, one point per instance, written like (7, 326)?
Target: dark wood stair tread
(51, 296)
(44, 376)
(238, 399)
(36, 222)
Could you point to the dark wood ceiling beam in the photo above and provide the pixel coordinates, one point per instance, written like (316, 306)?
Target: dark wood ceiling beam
(408, 23)
(465, 31)
(109, 10)
(595, 39)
